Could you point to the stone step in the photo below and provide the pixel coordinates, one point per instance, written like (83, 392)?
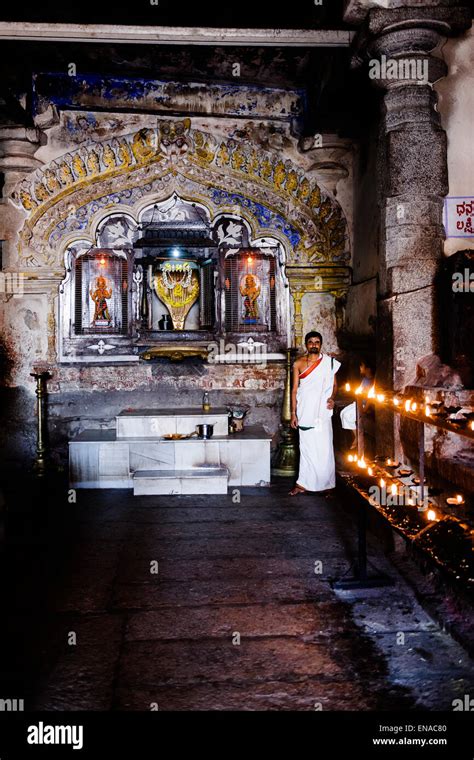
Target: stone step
(199, 480)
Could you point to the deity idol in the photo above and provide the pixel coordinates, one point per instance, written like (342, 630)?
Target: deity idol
(100, 296)
(250, 289)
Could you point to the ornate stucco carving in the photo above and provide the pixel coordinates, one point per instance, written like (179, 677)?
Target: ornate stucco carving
(62, 199)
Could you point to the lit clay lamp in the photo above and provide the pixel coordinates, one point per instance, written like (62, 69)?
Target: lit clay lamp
(365, 474)
(455, 500)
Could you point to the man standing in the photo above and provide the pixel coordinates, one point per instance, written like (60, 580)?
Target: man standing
(312, 404)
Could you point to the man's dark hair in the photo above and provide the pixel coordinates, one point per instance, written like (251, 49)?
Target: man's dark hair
(312, 334)
(368, 362)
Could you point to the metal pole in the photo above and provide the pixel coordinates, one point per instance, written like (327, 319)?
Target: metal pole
(41, 453)
(421, 456)
(360, 430)
(286, 456)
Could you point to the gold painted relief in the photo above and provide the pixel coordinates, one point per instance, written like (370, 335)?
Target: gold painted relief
(253, 173)
(177, 286)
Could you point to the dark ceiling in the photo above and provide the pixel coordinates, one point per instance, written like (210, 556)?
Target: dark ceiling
(297, 14)
(334, 95)
(337, 98)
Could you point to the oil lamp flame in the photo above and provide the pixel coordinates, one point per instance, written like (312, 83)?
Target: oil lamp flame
(455, 500)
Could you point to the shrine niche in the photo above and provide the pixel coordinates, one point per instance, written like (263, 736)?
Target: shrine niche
(175, 264)
(101, 293)
(250, 292)
(173, 273)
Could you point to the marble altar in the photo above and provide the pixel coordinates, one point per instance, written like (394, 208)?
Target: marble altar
(136, 455)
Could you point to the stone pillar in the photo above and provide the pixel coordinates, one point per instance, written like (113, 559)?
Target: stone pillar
(399, 46)
(29, 302)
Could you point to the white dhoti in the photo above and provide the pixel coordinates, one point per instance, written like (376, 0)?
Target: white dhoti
(349, 417)
(317, 467)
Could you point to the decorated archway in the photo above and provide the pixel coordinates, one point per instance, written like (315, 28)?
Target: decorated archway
(63, 196)
(68, 199)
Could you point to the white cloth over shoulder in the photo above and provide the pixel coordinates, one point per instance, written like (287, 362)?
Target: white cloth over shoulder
(349, 417)
(317, 467)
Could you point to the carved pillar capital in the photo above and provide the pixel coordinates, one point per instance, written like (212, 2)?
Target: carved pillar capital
(17, 148)
(399, 43)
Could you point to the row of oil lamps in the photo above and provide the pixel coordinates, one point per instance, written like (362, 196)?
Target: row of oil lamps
(360, 462)
(408, 404)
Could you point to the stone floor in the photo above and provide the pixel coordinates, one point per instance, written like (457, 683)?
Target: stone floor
(241, 614)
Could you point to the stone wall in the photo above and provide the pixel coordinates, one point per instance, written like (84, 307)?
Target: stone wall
(361, 307)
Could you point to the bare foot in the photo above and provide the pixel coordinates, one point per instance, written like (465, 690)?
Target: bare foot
(297, 490)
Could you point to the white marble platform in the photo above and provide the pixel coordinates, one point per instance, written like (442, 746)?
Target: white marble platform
(208, 480)
(154, 423)
(100, 459)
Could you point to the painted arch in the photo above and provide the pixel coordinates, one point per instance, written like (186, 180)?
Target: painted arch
(66, 199)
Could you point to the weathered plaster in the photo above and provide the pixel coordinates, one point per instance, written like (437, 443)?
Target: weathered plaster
(319, 313)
